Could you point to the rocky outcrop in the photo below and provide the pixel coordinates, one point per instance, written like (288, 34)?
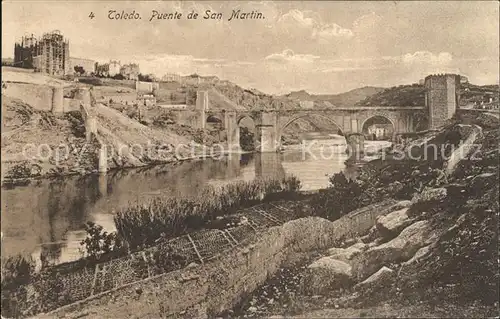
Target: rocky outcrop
(383, 274)
(399, 249)
(326, 274)
(390, 225)
(422, 252)
(346, 254)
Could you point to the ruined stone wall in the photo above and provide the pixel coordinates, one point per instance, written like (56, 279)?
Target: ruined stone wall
(37, 96)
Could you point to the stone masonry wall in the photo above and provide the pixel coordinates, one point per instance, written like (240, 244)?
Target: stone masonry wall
(205, 290)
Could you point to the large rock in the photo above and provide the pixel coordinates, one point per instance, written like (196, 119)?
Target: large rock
(344, 254)
(326, 274)
(401, 248)
(378, 278)
(422, 252)
(390, 225)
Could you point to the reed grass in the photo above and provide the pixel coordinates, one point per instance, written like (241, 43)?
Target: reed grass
(142, 225)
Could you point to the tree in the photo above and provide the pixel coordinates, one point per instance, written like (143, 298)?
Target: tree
(144, 78)
(247, 139)
(79, 69)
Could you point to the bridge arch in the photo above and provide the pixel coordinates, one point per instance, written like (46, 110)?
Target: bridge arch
(283, 127)
(243, 117)
(213, 118)
(386, 129)
(246, 129)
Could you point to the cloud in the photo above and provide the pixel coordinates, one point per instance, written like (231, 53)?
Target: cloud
(309, 24)
(350, 69)
(296, 18)
(331, 31)
(288, 56)
(367, 22)
(442, 58)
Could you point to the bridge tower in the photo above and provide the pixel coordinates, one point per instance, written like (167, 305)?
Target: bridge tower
(441, 98)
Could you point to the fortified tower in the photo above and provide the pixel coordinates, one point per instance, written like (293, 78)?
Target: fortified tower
(441, 98)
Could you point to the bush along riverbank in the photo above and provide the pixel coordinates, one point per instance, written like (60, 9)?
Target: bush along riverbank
(142, 225)
(436, 254)
(139, 249)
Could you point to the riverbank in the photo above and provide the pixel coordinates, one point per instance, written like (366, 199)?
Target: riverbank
(24, 181)
(403, 234)
(38, 144)
(442, 204)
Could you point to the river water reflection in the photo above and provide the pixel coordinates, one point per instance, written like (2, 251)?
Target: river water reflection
(46, 217)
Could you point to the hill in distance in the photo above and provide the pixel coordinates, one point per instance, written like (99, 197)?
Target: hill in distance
(414, 95)
(349, 98)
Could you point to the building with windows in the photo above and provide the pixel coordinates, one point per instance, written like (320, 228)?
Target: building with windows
(114, 68)
(171, 77)
(130, 71)
(87, 65)
(48, 54)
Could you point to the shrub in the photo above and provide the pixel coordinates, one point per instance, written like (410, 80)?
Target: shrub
(142, 225)
(99, 242)
(165, 259)
(247, 142)
(339, 198)
(17, 272)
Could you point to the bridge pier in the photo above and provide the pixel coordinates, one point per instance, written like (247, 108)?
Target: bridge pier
(267, 132)
(268, 165)
(355, 146)
(201, 108)
(57, 100)
(232, 131)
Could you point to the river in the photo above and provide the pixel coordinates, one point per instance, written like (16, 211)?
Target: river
(46, 217)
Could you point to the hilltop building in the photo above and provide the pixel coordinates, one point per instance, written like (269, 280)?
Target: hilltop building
(102, 70)
(48, 54)
(130, 71)
(171, 77)
(89, 66)
(114, 68)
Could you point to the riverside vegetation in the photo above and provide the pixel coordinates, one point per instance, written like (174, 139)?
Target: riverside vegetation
(138, 227)
(460, 266)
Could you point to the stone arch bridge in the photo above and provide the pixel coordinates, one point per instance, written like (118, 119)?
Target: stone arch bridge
(270, 124)
(442, 94)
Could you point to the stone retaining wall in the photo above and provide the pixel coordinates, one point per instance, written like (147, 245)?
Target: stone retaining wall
(205, 290)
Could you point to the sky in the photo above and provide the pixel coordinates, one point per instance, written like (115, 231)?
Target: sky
(321, 47)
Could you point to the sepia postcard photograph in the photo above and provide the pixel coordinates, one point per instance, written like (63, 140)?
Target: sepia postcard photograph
(250, 159)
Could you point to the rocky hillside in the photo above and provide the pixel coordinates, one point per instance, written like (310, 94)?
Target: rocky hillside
(38, 143)
(414, 95)
(346, 99)
(434, 247)
(403, 95)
